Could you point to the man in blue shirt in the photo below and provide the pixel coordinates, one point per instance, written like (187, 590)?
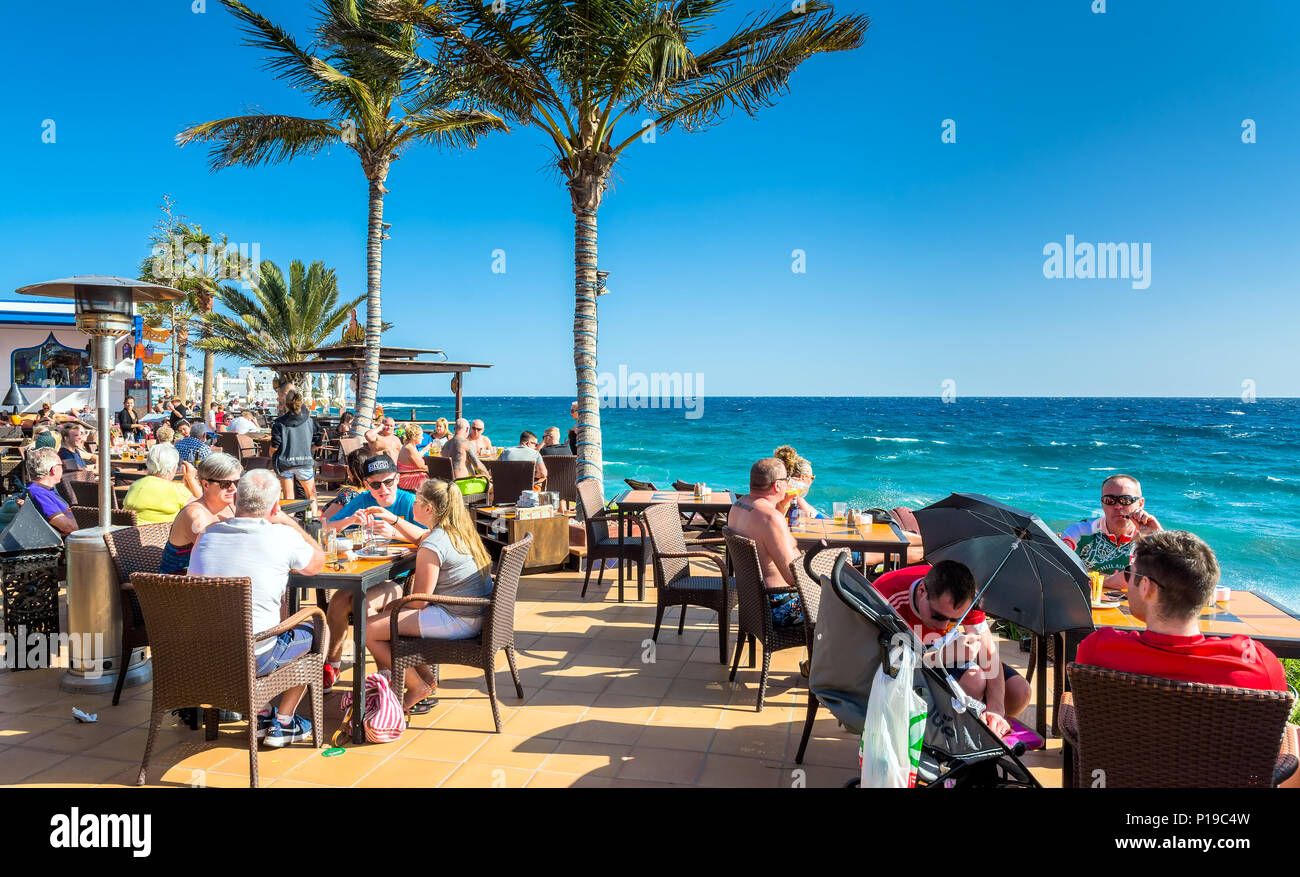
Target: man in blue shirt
(191, 449)
(45, 469)
(380, 473)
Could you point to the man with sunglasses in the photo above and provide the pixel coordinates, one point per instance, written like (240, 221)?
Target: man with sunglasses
(380, 473)
(930, 600)
(1106, 544)
(1173, 576)
(482, 444)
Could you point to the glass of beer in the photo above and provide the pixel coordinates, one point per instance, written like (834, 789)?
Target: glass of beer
(1098, 582)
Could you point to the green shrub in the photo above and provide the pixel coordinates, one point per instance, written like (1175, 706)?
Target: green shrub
(1292, 667)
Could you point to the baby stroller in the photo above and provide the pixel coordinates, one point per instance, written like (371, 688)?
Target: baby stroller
(853, 638)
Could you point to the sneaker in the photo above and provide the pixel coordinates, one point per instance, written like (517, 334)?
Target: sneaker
(264, 725)
(278, 735)
(331, 676)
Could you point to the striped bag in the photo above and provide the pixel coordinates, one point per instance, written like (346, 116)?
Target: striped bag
(384, 721)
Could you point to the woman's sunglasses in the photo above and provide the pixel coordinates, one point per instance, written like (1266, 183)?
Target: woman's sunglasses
(226, 484)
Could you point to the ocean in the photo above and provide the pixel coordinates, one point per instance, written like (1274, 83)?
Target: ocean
(1225, 469)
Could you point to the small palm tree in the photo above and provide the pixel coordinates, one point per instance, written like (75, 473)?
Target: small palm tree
(358, 89)
(280, 321)
(580, 69)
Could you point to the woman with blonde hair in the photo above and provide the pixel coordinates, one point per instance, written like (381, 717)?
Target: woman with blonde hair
(451, 562)
(411, 468)
(801, 476)
(441, 435)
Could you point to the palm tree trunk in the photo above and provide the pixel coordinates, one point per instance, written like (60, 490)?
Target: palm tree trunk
(590, 464)
(369, 388)
(182, 336)
(209, 361)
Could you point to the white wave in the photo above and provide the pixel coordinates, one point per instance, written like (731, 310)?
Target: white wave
(1059, 444)
(1271, 478)
(937, 442)
(1101, 468)
(1049, 467)
(1217, 453)
(887, 438)
(890, 457)
(1238, 413)
(1100, 444)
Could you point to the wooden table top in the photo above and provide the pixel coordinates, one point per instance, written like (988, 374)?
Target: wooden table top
(811, 530)
(639, 499)
(1245, 613)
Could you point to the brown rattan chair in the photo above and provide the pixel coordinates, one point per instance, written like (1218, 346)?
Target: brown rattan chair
(756, 611)
(676, 585)
(480, 651)
(86, 492)
(203, 652)
(135, 549)
(509, 479)
(88, 516)
(639, 485)
(439, 467)
(1122, 730)
(696, 522)
(822, 561)
(562, 475)
(602, 540)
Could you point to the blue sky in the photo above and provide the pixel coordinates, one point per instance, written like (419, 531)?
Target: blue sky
(924, 259)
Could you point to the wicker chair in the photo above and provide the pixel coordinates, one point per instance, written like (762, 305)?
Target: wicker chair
(439, 467)
(1130, 731)
(756, 611)
(601, 544)
(639, 485)
(674, 581)
(88, 516)
(562, 475)
(203, 644)
(137, 549)
(480, 651)
(822, 561)
(696, 522)
(510, 478)
(86, 492)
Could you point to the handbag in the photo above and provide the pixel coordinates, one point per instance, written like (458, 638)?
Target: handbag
(383, 721)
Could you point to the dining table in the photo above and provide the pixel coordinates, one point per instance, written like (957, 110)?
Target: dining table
(882, 538)
(635, 501)
(356, 576)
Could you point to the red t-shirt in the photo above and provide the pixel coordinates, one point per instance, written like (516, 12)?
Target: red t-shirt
(896, 587)
(1238, 660)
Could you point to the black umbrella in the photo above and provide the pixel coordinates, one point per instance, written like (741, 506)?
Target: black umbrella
(1040, 583)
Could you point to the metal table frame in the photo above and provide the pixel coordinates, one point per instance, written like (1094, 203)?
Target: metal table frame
(709, 507)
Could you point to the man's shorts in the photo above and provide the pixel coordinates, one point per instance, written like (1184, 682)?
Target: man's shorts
(290, 645)
(304, 473)
(956, 672)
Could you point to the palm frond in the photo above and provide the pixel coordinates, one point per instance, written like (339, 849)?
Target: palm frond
(261, 138)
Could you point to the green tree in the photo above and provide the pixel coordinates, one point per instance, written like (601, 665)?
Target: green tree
(358, 89)
(586, 72)
(279, 321)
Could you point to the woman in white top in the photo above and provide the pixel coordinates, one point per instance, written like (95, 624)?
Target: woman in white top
(451, 562)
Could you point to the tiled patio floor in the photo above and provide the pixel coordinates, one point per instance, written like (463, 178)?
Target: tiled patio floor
(599, 710)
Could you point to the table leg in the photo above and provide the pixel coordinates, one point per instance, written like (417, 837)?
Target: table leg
(1040, 721)
(620, 553)
(293, 600)
(358, 665)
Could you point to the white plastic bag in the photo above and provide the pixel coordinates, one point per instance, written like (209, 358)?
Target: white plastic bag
(895, 723)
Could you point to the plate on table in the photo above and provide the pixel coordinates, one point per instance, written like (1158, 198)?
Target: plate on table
(1105, 604)
(370, 554)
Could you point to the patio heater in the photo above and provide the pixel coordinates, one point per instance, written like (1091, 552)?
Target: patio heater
(104, 310)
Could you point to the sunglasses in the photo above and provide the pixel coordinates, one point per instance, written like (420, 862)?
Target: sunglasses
(386, 484)
(476, 429)
(1130, 575)
(1118, 499)
(226, 483)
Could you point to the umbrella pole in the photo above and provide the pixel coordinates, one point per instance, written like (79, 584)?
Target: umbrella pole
(950, 635)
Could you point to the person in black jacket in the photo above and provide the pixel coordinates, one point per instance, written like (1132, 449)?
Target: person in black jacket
(129, 421)
(292, 436)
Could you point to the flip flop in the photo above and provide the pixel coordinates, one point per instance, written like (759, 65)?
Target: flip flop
(423, 706)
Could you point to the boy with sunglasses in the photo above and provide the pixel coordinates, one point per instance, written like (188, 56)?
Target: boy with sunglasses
(1174, 574)
(1106, 544)
(930, 600)
(380, 474)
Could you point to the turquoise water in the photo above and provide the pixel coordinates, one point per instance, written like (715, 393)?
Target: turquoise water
(1222, 468)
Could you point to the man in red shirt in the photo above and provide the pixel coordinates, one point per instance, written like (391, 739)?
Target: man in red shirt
(930, 600)
(1174, 574)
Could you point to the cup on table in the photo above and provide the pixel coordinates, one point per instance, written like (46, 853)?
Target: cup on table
(839, 510)
(1222, 594)
(1097, 581)
(343, 547)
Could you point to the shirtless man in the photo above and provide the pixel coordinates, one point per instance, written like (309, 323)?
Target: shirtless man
(482, 444)
(460, 450)
(755, 516)
(382, 440)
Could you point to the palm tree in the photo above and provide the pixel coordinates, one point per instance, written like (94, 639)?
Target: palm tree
(578, 69)
(279, 322)
(358, 89)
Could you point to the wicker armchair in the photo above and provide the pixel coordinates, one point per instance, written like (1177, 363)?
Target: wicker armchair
(480, 651)
(676, 585)
(86, 492)
(601, 543)
(639, 485)
(756, 611)
(88, 516)
(439, 467)
(821, 561)
(697, 522)
(510, 478)
(1121, 730)
(562, 475)
(203, 644)
(137, 549)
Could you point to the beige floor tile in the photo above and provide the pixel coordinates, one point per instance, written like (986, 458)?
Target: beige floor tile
(587, 758)
(16, 729)
(483, 776)
(79, 770)
(606, 726)
(25, 699)
(474, 715)
(411, 773)
(72, 736)
(343, 770)
(507, 750)
(556, 700)
(544, 779)
(271, 762)
(442, 744)
(751, 742)
(641, 686)
(689, 716)
(657, 736)
(529, 722)
(662, 765)
(281, 783)
(733, 772)
(19, 764)
(591, 685)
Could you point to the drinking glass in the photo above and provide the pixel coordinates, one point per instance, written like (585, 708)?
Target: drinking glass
(839, 509)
